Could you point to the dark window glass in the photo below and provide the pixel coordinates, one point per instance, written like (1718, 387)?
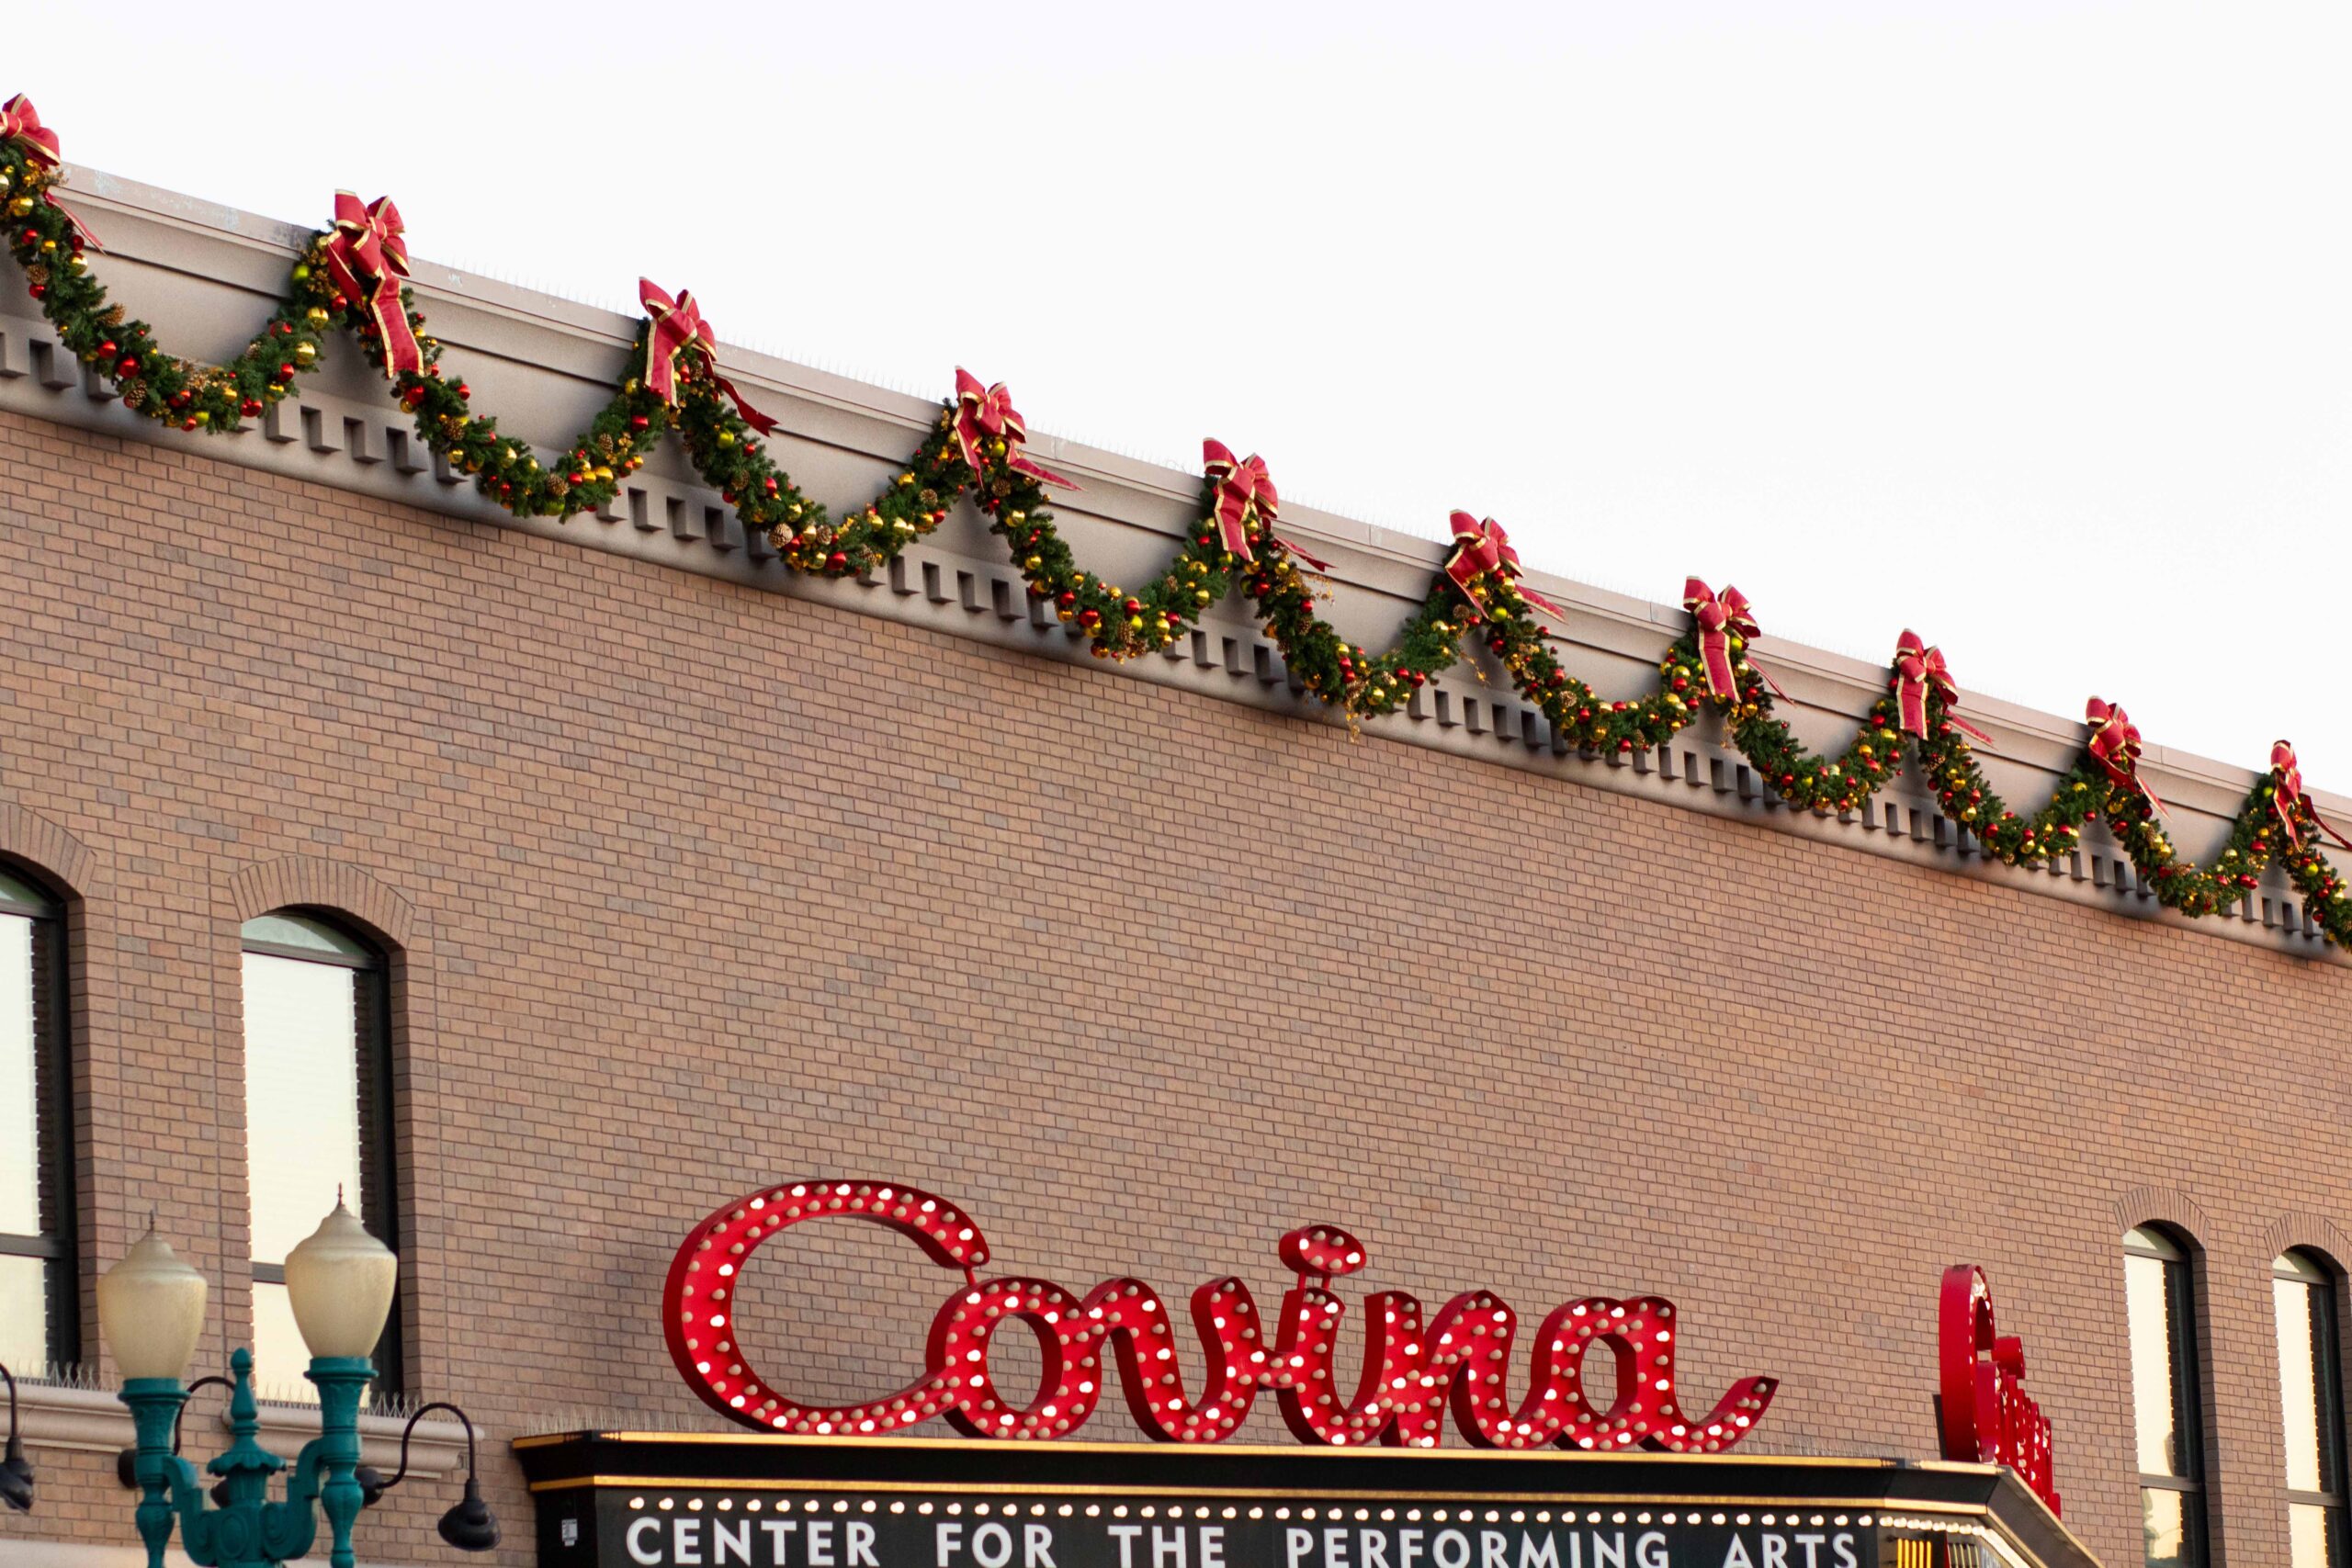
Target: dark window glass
(2310, 1400)
(2161, 1311)
(37, 1327)
(318, 1123)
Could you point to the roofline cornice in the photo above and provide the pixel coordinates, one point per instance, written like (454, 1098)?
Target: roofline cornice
(208, 274)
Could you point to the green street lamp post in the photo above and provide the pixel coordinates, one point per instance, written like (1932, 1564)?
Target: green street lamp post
(339, 1283)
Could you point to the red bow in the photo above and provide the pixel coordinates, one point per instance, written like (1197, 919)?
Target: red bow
(1719, 617)
(2287, 794)
(1918, 670)
(2115, 747)
(1243, 487)
(366, 258)
(679, 333)
(1480, 547)
(984, 414)
(19, 121)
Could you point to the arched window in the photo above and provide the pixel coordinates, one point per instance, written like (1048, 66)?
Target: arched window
(2310, 1395)
(2160, 1300)
(37, 1287)
(317, 1118)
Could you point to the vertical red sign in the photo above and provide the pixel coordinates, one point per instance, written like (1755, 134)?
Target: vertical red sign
(1988, 1416)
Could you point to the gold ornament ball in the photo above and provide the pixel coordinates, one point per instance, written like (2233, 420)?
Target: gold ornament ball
(306, 352)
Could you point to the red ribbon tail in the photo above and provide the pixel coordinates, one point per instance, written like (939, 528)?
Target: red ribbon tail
(89, 241)
(660, 368)
(968, 445)
(1539, 600)
(1021, 465)
(1955, 718)
(1715, 656)
(2329, 828)
(1311, 560)
(752, 416)
(1766, 676)
(403, 354)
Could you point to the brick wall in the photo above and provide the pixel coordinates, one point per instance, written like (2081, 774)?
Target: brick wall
(697, 889)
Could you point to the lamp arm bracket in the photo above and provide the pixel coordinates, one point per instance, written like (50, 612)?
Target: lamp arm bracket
(182, 1485)
(179, 1422)
(303, 1487)
(288, 1527)
(379, 1488)
(185, 1489)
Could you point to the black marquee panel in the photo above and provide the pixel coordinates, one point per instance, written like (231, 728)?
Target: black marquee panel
(631, 1500)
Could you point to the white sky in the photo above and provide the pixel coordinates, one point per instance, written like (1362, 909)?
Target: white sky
(2023, 324)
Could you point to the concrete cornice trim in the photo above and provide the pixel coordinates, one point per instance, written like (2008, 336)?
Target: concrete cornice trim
(543, 363)
(106, 1554)
(95, 1421)
(80, 1554)
(270, 243)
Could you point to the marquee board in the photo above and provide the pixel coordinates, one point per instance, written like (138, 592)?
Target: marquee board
(626, 1500)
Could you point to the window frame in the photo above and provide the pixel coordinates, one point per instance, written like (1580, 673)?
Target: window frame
(378, 1205)
(2178, 1254)
(58, 1244)
(2325, 1280)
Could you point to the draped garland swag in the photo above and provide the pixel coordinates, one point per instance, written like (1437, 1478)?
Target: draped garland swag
(349, 281)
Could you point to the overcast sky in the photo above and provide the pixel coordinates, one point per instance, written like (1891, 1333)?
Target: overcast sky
(2026, 325)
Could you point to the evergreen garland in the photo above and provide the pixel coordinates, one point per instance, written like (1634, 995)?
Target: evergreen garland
(1115, 622)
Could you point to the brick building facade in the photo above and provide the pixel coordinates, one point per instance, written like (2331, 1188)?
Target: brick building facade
(691, 879)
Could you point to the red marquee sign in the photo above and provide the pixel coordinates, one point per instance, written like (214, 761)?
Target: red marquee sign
(1414, 1370)
(1988, 1416)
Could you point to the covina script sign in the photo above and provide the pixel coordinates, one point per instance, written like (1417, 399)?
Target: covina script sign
(1413, 1370)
